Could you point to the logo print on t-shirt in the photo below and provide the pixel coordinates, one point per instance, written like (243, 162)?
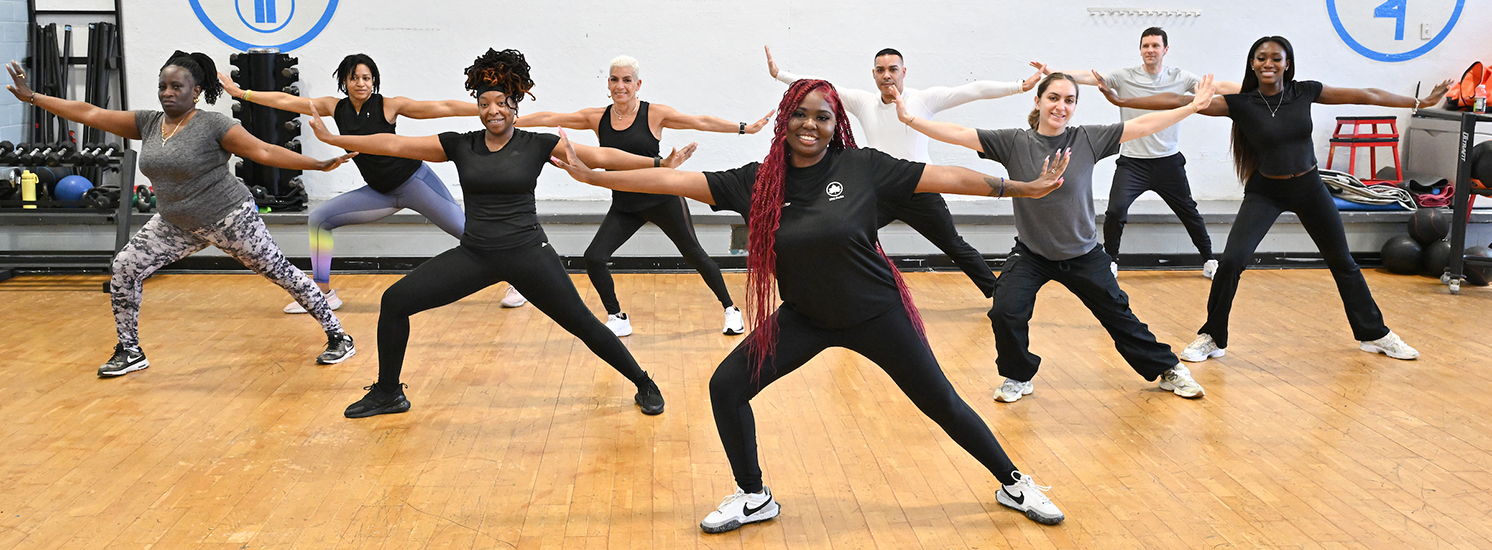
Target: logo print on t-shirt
(835, 190)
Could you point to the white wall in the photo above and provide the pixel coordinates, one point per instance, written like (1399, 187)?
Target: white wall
(705, 56)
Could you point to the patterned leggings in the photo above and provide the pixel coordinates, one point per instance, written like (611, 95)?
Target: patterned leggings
(241, 234)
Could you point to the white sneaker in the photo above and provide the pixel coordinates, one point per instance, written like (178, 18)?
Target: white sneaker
(742, 508)
(619, 324)
(513, 298)
(1012, 391)
(1390, 345)
(733, 323)
(1202, 349)
(332, 301)
(1209, 268)
(1114, 268)
(1178, 380)
(1026, 496)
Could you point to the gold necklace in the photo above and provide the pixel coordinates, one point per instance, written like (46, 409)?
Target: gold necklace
(174, 131)
(621, 115)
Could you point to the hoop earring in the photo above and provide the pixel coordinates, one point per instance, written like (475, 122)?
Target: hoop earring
(197, 99)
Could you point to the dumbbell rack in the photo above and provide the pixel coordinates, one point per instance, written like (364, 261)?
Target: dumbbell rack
(53, 212)
(1461, 204)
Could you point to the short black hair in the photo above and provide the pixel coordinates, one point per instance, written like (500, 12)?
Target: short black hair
(1156, 31)
(891, 51)
(349, 64)
(203, 71)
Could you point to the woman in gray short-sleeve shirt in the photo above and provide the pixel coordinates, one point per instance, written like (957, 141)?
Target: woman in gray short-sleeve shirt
(184, 152)
(1058, 239)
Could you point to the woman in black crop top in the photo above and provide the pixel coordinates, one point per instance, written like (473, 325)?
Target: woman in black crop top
(393, 183)
(1274, 155)
(811, 211)
(636, 126)
(498, 167)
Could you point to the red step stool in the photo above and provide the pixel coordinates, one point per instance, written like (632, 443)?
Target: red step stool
(1372, 140)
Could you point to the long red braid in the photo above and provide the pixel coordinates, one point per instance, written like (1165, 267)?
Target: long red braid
(767, 195)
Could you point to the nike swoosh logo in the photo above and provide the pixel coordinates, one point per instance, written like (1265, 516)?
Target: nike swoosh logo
(1018, 499)
(748, 510)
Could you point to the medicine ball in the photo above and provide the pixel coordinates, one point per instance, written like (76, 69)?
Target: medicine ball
(1437, 257)
(1401, 255)
(1478, 276)
(1481, 165)
(1428, 225)
(72, 188)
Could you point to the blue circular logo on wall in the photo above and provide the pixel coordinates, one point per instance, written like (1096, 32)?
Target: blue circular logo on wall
(282, 24)
(1394, 30)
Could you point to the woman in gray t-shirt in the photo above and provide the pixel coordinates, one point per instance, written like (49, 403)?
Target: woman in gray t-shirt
(1057, 237)
(184, 152)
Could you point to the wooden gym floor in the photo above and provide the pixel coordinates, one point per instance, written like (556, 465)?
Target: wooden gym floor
(520, 438)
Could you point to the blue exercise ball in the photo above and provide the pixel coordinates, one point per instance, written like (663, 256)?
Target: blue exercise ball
(72, 188)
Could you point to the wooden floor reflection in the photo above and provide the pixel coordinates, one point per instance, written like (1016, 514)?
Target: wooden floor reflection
(521, 438)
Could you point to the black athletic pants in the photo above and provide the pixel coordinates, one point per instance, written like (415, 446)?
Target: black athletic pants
(1263, 201)
(618, 226)
(928, 215)
(1166, 176)
(891, 341)
(535, 270)
(1088, 277)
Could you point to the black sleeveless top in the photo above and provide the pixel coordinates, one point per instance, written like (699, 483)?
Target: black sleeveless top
(383, 174)
(636, 139)
(1278, 127)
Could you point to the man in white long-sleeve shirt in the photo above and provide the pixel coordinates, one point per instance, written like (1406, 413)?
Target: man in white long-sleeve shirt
(926, 212)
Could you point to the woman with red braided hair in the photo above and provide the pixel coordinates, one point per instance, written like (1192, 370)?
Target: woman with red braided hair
(498, 168)
(810, 207)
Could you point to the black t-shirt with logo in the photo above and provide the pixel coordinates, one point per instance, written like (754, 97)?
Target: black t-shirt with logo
(827, 266)
(499, 186)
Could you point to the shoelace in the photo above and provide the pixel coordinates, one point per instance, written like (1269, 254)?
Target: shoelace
(739, 494)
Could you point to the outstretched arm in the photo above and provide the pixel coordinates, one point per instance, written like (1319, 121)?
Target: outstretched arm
(1375, 96)
(946, 132)
(1151, 123)
(672, 118)
(617, 159)
(781, 76)
(658, 181)
(1163, 102)
(584, 119)
(963, 181)
(425, 148)
(276, 100)
(240, 142)
(119, 123)
(431, 109)
(1087, 78)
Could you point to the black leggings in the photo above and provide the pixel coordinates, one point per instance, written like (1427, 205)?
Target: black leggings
(928, 214)
(534, 270)
(1263, 201)
(673, 218)
(891, 342)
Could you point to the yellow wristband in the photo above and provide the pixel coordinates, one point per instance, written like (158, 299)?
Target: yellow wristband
(246, 94)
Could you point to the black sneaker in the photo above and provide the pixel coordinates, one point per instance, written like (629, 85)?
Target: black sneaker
(338, 348)
(379, 401)
(649, 398)
(123, 362)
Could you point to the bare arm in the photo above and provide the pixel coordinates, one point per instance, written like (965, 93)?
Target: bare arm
(119, 123)
(421, 110)
(658, 181)
(963, 181)
(1162, 102)
(584, 119)
(617, 159)
(1375, 96)
(946, 132)
(240, 142)
(277, 100)
(1151, 123)
(425, 148)
(1086, 78)
(672, 118)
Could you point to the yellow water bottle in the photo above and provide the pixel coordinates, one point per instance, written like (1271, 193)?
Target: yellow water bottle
(28, 189)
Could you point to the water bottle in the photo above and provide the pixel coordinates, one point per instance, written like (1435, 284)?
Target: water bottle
(28, 190)
(1481, 99)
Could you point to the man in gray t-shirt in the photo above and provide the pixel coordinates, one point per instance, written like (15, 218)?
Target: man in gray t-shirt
(1152, 163)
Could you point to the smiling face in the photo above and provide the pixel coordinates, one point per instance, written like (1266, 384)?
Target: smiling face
(810, 129)
(1153, 50)
(1056, 105)
(360, 83)
(496, 112)
(889, 73)
(1270, 63)
(623, 85)
(177, 90)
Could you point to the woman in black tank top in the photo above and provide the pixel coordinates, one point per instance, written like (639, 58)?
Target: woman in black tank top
(636, 126)
(393, 183)
(1275, 157)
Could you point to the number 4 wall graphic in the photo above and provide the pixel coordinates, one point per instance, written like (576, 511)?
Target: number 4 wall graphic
(1398, 10)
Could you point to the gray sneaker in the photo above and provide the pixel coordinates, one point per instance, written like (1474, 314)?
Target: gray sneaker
(123, 362)
(1202, 349)
(1013, 390)
(1178, 380)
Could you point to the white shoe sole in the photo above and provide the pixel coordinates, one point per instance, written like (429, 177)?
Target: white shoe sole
(1194, 359)
(349, 355)
(765, 514)
(1172, 388)
(1000, 396)
(623, 332)
(1031, 513)
(142, 365)
(1375, 348)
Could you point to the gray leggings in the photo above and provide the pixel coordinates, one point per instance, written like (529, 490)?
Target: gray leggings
(423, 192)
(241, 234)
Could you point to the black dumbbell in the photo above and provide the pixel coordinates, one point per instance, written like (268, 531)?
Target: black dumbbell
(63, 153)
(260, 193)
(106, 154)
(293, 144)
(6, 150)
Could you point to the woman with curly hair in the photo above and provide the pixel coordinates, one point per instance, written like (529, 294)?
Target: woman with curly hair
(184, 151)
(498, 168)
(811, 210)
(393, 183)
(636, 126)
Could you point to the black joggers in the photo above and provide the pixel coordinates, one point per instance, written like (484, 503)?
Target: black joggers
(928, 214)
(1167, 177)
